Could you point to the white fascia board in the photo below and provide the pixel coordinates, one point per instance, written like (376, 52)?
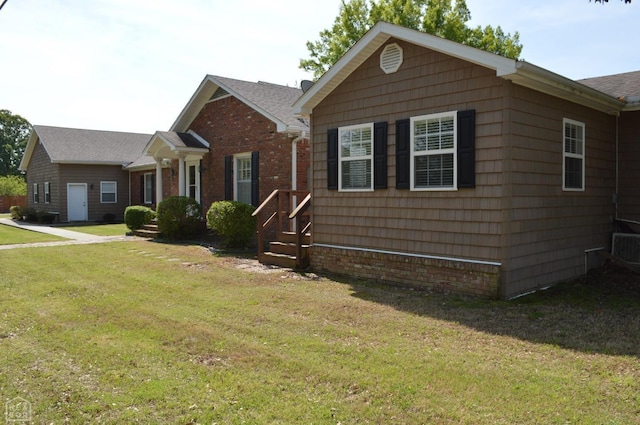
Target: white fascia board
(374, 39)
(545, 81)
(28, 152)
(199, 138)
(199, 98)
(80, 162)
(281, 126)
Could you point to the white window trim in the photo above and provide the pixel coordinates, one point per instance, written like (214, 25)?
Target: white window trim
(102, 192)
(354, 158)
(566, 154)
(453, 151)
(144, 189)
(196, 183)
(36, 197)
(236, 174)
(47, 192)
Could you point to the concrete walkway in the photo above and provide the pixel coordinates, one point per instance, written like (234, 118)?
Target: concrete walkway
(74, 238)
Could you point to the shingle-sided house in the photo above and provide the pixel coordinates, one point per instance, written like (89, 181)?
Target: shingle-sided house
(439, 165)
(234, 140)
(79, 174)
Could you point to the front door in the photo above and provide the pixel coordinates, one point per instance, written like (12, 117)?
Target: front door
(77, 201)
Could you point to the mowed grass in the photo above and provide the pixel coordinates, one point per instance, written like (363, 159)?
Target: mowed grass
(101, 229)
(11, 235)
(142, 332)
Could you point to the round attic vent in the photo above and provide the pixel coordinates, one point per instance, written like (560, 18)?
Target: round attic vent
(391, 58)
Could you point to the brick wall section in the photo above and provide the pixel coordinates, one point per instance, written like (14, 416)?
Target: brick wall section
(231, 128)
(481, 280)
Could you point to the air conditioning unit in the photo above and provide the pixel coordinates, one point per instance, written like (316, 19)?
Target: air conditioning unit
(627, 247)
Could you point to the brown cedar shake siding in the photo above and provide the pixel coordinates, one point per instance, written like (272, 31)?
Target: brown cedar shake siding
(629, 142)
(517, 219)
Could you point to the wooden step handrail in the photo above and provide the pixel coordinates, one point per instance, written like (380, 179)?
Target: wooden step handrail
(283, 198)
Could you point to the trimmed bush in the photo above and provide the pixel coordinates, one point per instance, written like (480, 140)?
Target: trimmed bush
(232, 220)
(30, 215)
(137, 216)
(179, 217)
(16, 212)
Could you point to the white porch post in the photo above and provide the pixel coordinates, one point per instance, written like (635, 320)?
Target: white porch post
(181, 180)
(158, 180)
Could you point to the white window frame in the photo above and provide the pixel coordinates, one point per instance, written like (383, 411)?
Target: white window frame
(103, 192)
(148, 200)
(47, 192)
(366, 157)
(446, 151)
(579, 153)
(195, 184)
(36, 197)
(236, 176)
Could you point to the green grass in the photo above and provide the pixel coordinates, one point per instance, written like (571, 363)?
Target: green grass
(145, 332)
(11, 235)
(101, 229)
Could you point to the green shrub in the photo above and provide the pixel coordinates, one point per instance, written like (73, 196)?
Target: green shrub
(233, 221)
(109, 218)
(179, 217)
(30, 214)
(45, 217)
(137, 216)
(16, 212)
(13, 186)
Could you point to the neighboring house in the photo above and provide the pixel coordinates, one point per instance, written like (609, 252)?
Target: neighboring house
(439, 165)
(79, 174)
(234, 140)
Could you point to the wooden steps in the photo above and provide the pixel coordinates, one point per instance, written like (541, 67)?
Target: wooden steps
(282, 253)
(149, 231)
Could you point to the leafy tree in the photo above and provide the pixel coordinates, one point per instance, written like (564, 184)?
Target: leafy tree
(13, 186)
(444, 18)
(14, 134)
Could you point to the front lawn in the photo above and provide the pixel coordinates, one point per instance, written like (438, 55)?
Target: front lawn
(144, 332)
(101, 229)
(11, 235)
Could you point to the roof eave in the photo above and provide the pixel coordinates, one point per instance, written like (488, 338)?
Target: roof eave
(545, 81)
(373, 40)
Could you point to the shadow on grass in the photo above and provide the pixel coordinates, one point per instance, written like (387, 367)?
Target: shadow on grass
(597, 313)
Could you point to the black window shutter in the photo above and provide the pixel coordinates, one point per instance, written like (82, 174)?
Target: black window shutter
(467, 149)
(380, 155)
(403, 154)
(141, 190)
(228, 178)
(332, 159)
(255, 178)
(153, 188)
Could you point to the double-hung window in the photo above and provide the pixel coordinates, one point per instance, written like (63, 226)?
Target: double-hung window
(47, 192)
(108, 192)
(148, 188)
(573, 155)
(243, 178)
(433, 151)
(355, 157)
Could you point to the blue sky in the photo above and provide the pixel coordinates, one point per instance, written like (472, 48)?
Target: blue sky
(132, 65)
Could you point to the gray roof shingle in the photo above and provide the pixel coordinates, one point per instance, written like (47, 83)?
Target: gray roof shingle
(618, 85)
(274, 99)
(91, 146)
